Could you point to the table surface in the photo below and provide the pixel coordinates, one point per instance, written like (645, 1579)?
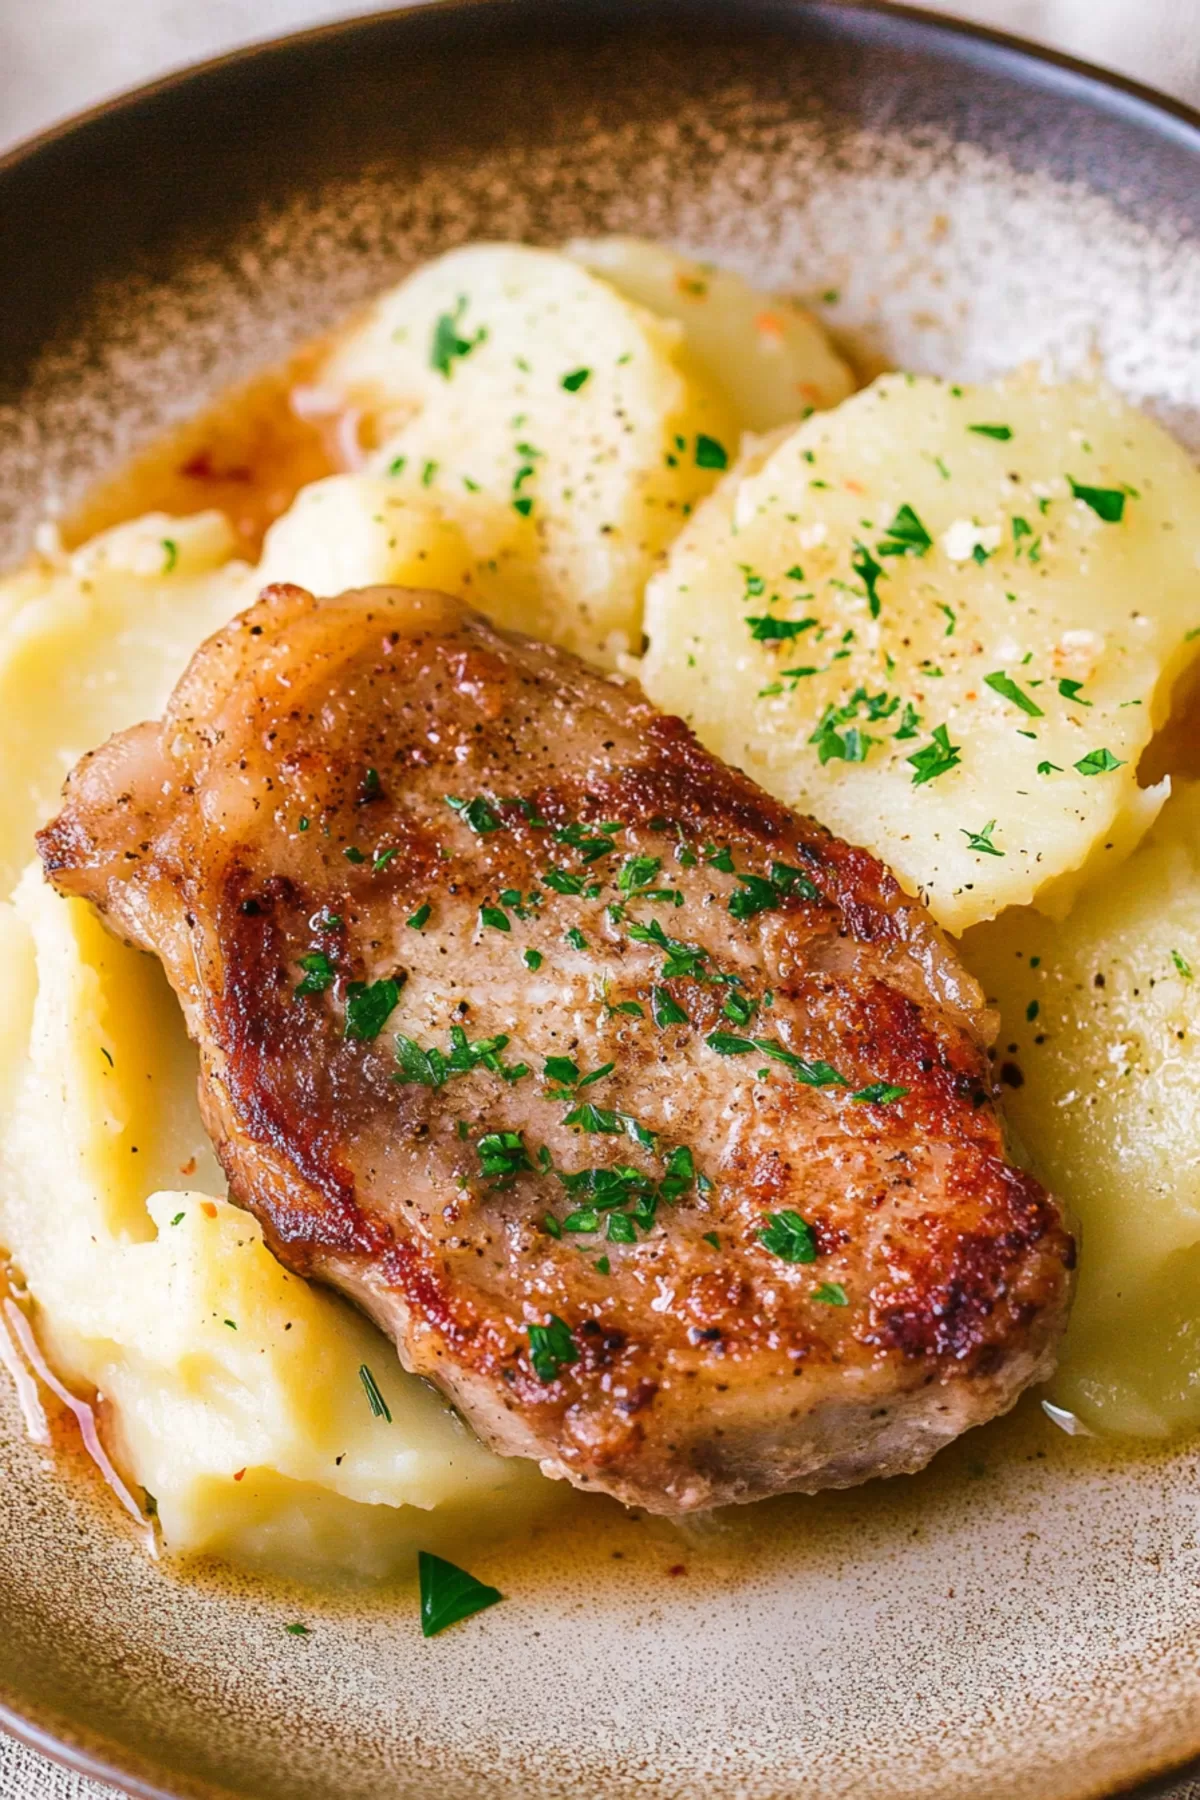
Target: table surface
(59, 56)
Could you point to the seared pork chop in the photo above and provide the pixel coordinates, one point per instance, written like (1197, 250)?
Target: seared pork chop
(652, 1121)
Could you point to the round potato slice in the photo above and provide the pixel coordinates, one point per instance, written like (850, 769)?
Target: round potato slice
(946, 621)
(560, 427)
(92, 641)
(352, 531)
(1100, 1053)
(766, 352)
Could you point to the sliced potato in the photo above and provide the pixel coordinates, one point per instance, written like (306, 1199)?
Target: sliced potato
(353, 531)
(946, 621)
(561, 428)
(94, 641)
(766, 352)
(1100, 1051)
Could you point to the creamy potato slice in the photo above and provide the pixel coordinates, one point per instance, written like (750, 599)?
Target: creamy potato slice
(563, 430)
(95, 640)
(766, 352)
(946, 621)
(1099, 1050)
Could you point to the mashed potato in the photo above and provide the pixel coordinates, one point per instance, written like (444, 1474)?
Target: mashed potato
(946, 621)
(1100, 1053)
(232, 1388)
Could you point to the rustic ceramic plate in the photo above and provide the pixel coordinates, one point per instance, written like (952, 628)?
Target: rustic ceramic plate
(1024, 1619)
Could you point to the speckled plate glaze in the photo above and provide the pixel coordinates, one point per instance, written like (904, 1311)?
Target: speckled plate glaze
(1024, 1619)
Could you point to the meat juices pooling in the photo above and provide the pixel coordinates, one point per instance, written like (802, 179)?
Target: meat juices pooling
(652, 1121)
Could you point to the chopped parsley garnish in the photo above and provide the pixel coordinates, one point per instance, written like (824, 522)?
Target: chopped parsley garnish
(495, 917)
(1098, 762)
(1032, 1011)
(851, 745)
(532, 959)
(575, 938)
(710, 452)
(319, 974)
(981, 841)
(503, 1156)
(432, 1068)
(830, 1293)
(739, 1009)
(811, 1074)
(420, 917)
(575, 380)
(604, 1122)
(879, 1093)
(637, 872)
(1107, 503)
(760, 893)
(170, 555)
(368, 1007)
(604, 1194)
(1001, 433)
(789, 1237)
(591, 842)
(297, 1630)
(848, 746)
(477, 813)
(564, 1071)
(447, 346)
(665, 1010)
(179, 1215)
(710, 1237)
(353, 854)
(551, 1348)
(449, 1594)
(937, 758)
(1070, 690)
(563, 882)
(1048, 768)
(868, 572)
(905, 536)
(1182, 965)
(622, 1228)
(766, 630)
(376, 1401)
(910, 722)
(1006, 687)
(680, 958)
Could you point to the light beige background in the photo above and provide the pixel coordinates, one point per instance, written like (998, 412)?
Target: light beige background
(57, 56)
